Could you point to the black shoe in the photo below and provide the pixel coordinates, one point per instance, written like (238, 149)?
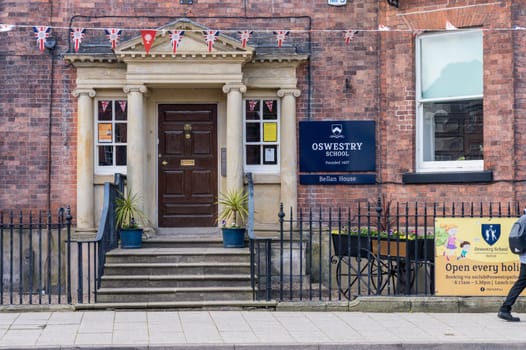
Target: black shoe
(506, 315)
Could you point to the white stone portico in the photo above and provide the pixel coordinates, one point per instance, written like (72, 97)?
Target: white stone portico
(223, 77)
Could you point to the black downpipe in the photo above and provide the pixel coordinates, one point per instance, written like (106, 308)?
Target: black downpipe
(50, 107)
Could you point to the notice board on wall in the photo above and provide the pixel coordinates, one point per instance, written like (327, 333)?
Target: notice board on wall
(327, 146)
(472, 257)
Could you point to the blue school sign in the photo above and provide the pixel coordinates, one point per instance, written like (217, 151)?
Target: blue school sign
(337, 146)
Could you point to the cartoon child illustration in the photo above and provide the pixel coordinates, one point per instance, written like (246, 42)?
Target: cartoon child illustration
(465, 245)
(451, 246)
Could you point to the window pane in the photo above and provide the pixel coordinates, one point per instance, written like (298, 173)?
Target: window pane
(252, 109)
(451, 65)
(253, 155)
(453, 131)
(252, 132)
(106, 155)
(121, 132)
(121, 110)
(270, 109)
(105, 110)
(121, 155)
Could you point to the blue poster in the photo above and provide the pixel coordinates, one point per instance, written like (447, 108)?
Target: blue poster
(337, 145)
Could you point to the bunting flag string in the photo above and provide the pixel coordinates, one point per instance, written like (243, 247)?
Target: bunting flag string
(41, 34)
(176, 37)
(210, 38)
(77, 34)
(113, 35)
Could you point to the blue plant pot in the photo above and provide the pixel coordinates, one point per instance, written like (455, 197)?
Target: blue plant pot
(233, 237)
(131, 239)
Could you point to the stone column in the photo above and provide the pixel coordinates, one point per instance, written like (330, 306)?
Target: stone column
(288, 150)
(136, 147)
(234, 135)
(85, 160)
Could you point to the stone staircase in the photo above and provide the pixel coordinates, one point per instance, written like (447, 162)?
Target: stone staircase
(174, 271)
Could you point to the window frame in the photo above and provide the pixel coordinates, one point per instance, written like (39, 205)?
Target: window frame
(262, 168)
(107, 169)
(423, 166)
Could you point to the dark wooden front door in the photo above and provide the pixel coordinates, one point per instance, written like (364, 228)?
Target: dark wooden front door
(187, 165)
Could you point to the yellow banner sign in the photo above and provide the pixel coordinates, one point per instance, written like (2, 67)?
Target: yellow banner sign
(472, 257)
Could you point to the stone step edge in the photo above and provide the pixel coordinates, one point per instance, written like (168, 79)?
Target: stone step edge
(203, 304)
(176, 290)
(177, 251)
(184, 264)
(178, 277)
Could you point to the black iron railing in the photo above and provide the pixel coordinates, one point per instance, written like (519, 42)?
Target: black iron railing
(379, 248)
(260, 252)
(40, 261)
(35, 258)
(106, 240)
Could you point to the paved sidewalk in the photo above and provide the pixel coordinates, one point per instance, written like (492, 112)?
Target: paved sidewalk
(257, 330)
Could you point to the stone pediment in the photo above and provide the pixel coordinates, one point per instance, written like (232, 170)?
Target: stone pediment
(193, 44)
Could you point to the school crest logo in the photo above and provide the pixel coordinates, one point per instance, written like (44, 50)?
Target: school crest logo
(490, 233)
(336, 130)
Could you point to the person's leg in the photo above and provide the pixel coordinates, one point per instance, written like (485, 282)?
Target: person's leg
(515, 291)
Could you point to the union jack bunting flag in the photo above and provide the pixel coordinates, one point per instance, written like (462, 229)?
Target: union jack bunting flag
(349, 35)
(245, 36)
(41, 34)
(210, 38)
(280, 36)
(77, 34)
(113, 36)
(176, 37)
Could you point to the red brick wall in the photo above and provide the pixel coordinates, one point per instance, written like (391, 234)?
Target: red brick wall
(379, 67)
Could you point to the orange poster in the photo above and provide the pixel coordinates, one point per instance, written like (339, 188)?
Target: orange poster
(472, 257)
(105, 133)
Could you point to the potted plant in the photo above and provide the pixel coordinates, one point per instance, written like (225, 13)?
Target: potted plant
(234, 212)
(128, 215)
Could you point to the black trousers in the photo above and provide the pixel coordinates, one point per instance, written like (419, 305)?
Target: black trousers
(515, 290)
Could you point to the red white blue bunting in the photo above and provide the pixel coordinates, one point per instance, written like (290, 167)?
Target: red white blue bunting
(41, 34)
(245, 36)
(281, 35)
(176, 37)
(77, 34)
(113, 35)
(210, 38)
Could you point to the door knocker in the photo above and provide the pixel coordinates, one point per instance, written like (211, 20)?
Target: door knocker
(187, 131)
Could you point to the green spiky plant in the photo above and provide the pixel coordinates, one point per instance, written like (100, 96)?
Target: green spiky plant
(128, 215)
(234, 210)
